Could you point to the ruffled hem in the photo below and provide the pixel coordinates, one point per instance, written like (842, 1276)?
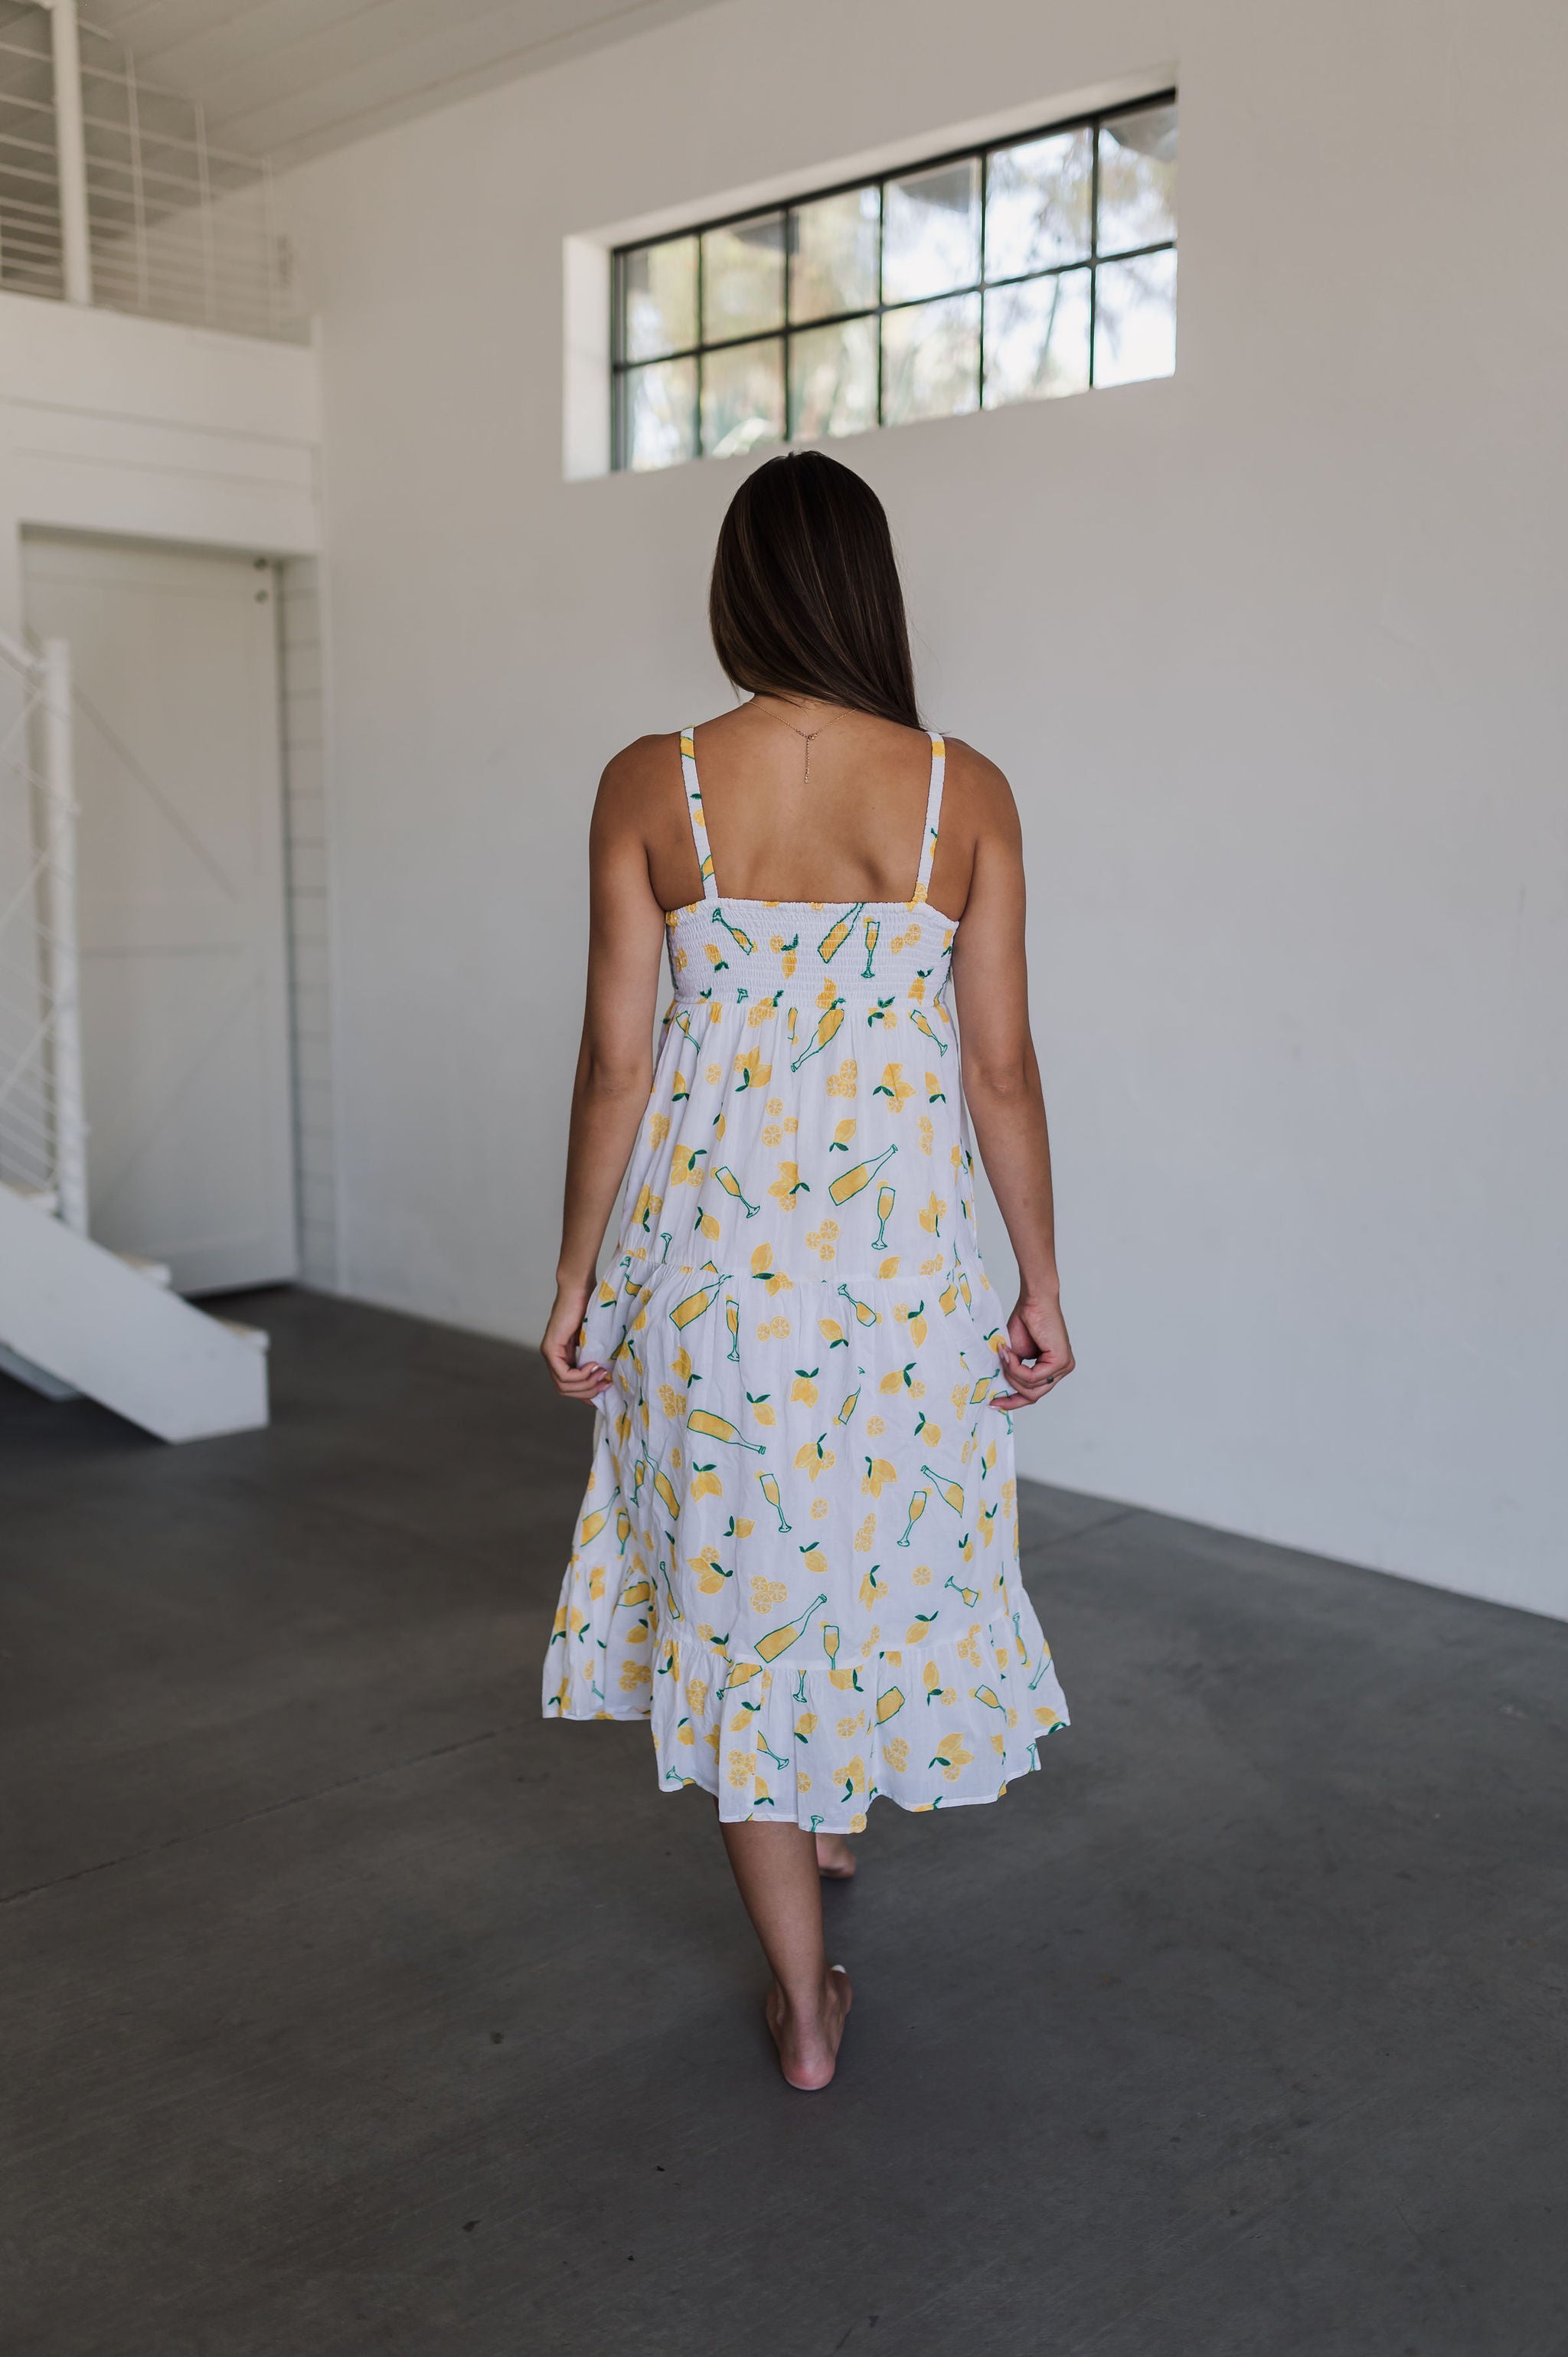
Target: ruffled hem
(944, 1726)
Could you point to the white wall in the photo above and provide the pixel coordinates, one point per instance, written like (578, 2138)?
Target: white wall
(1271, 652)
(150, 431)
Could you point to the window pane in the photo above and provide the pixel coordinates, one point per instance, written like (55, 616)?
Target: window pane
(931, 237)
(833, 254)
(743, 398)
(1135, 318)
(1137, 178)
(1038, 200)
(833, 379)
(1037, 339)
(660, 285)
(930, 360)
(659, 418)
(743, 278)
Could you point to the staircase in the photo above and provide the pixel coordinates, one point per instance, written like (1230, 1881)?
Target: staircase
(75, 1318)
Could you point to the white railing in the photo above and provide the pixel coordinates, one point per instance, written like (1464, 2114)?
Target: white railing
(111, 192)
(43, 1134)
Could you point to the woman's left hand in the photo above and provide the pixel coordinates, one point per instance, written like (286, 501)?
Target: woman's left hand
(1037, 1356)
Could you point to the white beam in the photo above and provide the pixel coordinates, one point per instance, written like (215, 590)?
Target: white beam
(71, 152)
(64, 975)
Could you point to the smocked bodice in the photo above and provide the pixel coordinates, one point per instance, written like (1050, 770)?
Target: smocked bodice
(807, 953)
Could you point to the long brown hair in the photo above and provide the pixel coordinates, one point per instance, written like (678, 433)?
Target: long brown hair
(805, 598)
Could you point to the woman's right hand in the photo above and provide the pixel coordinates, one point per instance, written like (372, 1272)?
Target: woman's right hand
(573, 1378)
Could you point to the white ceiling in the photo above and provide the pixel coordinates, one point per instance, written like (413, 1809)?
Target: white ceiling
(290, 78)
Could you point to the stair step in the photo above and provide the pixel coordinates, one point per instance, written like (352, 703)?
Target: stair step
(73, 1313)
(37, 1199)
(155, 1272)
(254, 1335)
(37, 1379)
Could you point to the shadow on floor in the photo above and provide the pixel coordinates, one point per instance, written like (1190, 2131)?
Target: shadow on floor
(347, 2007)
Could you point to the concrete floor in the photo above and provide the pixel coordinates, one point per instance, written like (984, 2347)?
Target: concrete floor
(345, 2007)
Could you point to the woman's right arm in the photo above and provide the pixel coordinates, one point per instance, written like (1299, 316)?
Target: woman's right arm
(1002, 1083)
(615, 1061)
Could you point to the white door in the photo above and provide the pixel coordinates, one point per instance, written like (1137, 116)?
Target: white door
(181, 907)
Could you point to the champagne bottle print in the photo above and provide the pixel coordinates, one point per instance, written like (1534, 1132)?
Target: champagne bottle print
(685, 1313)
(863, 1309)
(828, 1028)
(848, 1183)
(769, 1483)
(872, 931)
(916, 1508)
(951, 1493)
(665, 1490)
(778, 1641)
(886, 1197)
(732, 1186)
(742, 940)
(835, 939)
(717, 1427)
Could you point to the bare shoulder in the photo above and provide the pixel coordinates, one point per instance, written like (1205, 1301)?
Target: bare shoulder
(976, 794)
(639, 791)
(634, 775)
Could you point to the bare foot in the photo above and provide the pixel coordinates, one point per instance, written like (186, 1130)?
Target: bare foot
(835, 1859)
(809, 2044)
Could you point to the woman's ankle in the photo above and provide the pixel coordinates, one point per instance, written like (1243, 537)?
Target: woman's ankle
(804, 2001)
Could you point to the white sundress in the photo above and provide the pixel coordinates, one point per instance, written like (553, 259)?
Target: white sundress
(799, 1548)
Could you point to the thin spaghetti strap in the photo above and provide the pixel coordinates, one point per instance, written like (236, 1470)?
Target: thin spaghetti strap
(933, 820)
(694, 807)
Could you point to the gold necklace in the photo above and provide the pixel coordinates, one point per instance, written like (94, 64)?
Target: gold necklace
(806, 735)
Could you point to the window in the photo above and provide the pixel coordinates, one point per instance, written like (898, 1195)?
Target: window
(1026, 268)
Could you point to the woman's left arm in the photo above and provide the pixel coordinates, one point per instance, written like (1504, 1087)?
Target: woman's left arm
(615, 1062)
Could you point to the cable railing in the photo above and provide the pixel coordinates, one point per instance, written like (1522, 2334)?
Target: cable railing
(117, 196)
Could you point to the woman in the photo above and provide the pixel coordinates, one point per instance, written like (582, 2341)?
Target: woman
(799, 1548)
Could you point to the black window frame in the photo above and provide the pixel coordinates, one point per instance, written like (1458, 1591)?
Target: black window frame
(622, 367)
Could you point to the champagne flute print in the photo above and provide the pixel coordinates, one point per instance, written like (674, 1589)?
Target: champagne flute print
(920, 1024)
(916, 1508)
(769, 1483)
(886, 1197)
(732, 1187)
(873, 932)
(829, 1026)
(732, 1319)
